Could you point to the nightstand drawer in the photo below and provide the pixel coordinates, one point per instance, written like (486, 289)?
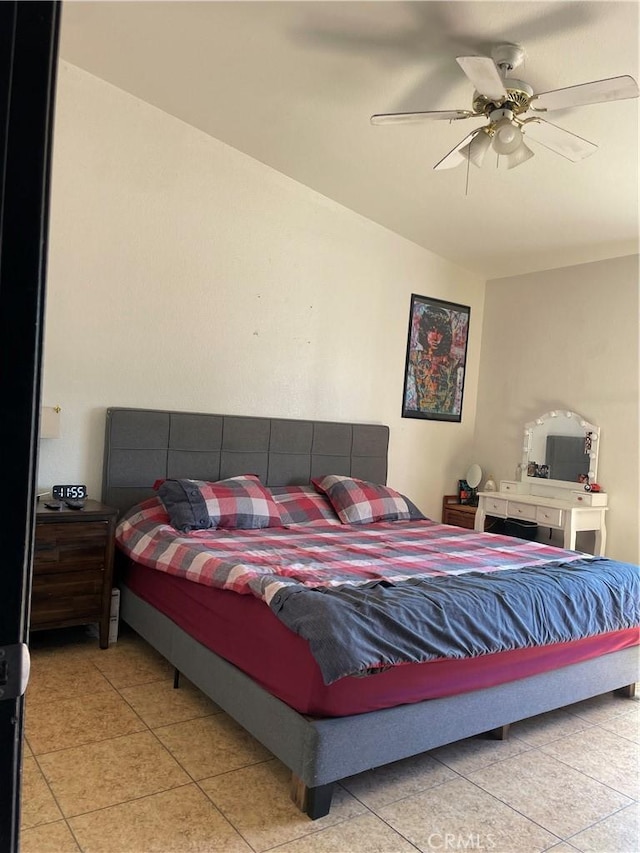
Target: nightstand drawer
(54, 612)
(460, 518)
(70, 547)
(66, 584)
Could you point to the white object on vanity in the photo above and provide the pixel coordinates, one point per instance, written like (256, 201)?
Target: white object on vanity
(557, 444)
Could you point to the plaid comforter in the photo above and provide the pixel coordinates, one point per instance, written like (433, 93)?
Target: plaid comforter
(263, 562)
(366, 597)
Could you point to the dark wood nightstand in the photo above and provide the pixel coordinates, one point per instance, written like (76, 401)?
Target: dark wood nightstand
(462, 515)
(73, 567)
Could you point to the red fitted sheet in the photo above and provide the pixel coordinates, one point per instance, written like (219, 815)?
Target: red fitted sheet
(244, 631)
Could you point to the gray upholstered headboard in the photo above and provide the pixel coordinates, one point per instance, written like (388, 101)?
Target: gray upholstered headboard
(145, 445)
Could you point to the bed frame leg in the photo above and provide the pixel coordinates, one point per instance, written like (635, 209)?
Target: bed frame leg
(501, 733)
(628, 691)
(176, 678)
(315, 802)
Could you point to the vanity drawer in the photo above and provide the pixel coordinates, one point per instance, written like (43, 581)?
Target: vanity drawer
(590, 498)
(518, 510)
(495, 506)
(549, 516)
(512, 486)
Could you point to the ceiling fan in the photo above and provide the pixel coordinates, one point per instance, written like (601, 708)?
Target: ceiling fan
(514, 111)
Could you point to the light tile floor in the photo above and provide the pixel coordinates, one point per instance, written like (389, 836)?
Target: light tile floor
(117, 761)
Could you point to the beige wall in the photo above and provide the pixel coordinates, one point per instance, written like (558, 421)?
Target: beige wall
(567, 339)
(184, 274)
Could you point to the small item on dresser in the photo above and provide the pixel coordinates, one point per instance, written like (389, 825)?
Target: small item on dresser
(73, 504)
(69, 492)
(490, 484)
(53, 504)
(592, 487)
(464, 492)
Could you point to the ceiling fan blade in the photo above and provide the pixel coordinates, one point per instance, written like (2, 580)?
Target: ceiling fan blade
(454, 157)
(483, 73)
(611, 89)
(557, 139)
(409, 118)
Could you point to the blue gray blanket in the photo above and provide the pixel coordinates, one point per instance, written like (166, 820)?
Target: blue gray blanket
(351, 630)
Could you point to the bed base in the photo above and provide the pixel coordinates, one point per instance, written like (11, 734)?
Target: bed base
(321, 751)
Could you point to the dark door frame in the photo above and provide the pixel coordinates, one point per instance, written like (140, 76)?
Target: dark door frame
(28, 61)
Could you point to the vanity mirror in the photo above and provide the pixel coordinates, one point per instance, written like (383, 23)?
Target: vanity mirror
(473, 478)
(560, 447)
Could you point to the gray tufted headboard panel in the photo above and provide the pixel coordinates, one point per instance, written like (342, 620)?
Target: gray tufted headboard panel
(145, 445)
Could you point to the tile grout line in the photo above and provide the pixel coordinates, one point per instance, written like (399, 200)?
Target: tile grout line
(624, 737)
(404, 797)
(99, 740)
(130, 800)
(527, 817)
(386, 822)
(601, 820)
(223, 815)
(593, 778)
(51, 791)
(526, 748)
(551, 832)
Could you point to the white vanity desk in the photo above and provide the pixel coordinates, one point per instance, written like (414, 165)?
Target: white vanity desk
(560, 450)
(567, 515)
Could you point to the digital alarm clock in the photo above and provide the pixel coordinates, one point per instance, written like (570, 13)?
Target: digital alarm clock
(69, 492)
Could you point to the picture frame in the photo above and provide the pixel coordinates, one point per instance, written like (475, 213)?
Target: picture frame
(436, 359)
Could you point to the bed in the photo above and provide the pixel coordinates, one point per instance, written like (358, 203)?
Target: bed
(324, 732)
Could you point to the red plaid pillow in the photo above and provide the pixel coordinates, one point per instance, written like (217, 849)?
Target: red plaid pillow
(241, 503)
(303, 505)
(360, 502)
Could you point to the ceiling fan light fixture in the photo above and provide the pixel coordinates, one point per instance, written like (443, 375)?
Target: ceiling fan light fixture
(507, 137)
(519, 156)
(477, 149)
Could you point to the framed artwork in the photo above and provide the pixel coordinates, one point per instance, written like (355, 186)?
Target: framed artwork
(436, 359)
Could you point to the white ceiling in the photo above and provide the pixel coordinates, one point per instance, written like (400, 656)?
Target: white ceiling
(293, 84)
